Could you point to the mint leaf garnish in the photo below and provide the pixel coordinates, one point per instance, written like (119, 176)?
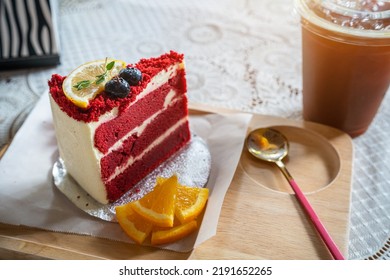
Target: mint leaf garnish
(110, 65)
(100, 78)
(82, 84)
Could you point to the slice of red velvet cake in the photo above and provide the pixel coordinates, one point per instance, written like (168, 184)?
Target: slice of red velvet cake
(112, 143)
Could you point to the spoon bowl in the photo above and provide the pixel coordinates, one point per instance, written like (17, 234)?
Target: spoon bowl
(270, 145)
(267, 144)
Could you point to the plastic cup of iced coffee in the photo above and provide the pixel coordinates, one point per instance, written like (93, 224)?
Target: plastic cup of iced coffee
(345, 61)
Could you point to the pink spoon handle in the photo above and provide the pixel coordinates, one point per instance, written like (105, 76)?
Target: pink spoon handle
(334, 250)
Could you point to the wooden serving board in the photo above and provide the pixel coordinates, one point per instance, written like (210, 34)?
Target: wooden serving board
(260, 217)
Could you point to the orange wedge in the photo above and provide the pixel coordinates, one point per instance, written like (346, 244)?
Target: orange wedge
(132, 223)
(167, 213)
(190, 202)
(168, 235)
(158, 206)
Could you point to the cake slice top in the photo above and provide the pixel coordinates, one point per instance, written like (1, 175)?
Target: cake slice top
(104, 102)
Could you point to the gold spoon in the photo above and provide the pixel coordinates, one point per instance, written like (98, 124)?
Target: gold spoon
(270, 145)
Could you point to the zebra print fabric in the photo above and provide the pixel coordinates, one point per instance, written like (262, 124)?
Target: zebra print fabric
(27, 34)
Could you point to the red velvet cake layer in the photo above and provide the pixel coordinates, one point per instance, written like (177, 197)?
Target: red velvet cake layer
(108, 133)
(136, 172)
(135, 145)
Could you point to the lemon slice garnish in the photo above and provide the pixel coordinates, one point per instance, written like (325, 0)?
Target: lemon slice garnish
(85, 82)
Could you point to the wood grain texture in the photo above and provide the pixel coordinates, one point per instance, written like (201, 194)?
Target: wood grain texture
(257, 220)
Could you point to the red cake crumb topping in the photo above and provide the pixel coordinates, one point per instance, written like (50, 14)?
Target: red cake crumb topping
(104, 102)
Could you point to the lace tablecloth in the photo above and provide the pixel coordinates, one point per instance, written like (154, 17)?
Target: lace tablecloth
(243, 55)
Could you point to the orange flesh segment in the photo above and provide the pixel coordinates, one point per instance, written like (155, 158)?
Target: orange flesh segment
(190, 202)
(133, 224)
(158, 207)
(173, 234)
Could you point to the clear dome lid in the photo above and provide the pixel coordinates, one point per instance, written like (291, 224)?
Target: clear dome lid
(366, 18)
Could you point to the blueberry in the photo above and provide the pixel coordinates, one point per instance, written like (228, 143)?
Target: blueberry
(132, 75)
(117, 87)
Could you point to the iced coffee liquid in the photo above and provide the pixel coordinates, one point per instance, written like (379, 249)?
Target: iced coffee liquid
(345, 76)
